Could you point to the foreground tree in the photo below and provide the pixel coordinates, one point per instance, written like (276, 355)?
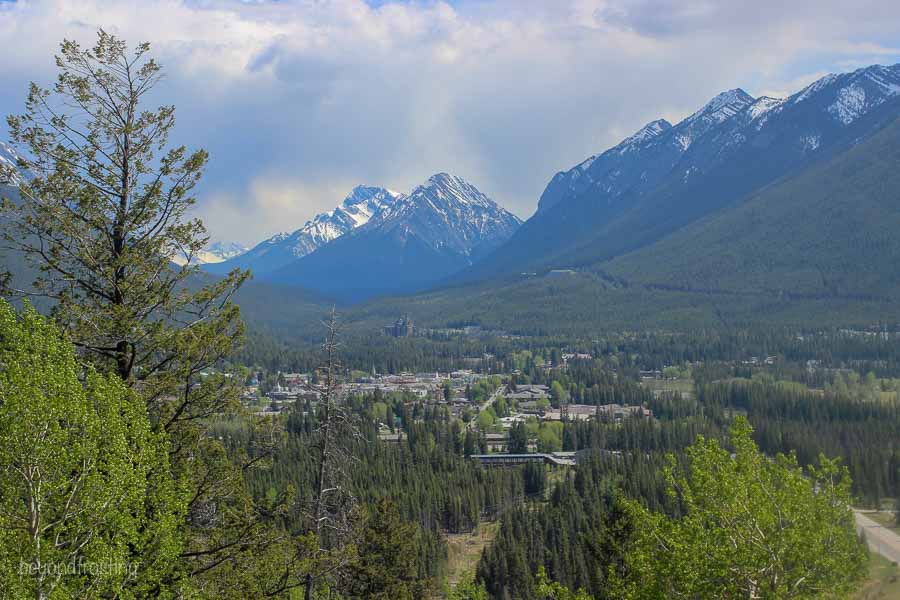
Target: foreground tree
(331, 515)
(754, 527)
(105, 209)
(83, 513)
(386, 566)
(101, 218)
(549, 590)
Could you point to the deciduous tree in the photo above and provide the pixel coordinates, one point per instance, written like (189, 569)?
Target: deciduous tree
(755, 527)
(86, 508)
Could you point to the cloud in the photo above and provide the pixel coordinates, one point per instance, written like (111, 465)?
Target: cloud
(297, 101)
(268, 200)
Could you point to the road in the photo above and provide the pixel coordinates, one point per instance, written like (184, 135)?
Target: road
(484, 405)
(491, 400)
(880, 539)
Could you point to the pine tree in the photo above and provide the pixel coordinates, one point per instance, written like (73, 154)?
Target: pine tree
(105, 212)
(386, 567)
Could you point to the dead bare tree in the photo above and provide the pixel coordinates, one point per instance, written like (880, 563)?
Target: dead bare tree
(333, 502)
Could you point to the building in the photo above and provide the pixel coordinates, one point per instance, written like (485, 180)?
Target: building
(613, 413)
(526, 393)
(617, 413)
(554, 459)
(402, 327)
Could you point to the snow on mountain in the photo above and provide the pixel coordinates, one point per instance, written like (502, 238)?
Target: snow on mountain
(718, 110)
(219, 251)
(759, 112)
(645, 133)
(811, 118)
(640, 160)
(358, 208)
(442, 226)
(852, 95)
(448, 213)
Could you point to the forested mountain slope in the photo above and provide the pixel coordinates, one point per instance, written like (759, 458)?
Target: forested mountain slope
(831, 231)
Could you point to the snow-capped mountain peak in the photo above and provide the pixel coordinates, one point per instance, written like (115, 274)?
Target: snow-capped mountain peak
(450, 213)
(724, 105)
(360, 206)
(449, 189)
(443, 225)
(848, 96)
(647, 132)
(357, 209)
(225, 250)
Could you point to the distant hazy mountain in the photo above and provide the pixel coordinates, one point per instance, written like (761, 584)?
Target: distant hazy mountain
(363, 203)
(214, 253)
(667, 176)
(442, 226)
(8, 157)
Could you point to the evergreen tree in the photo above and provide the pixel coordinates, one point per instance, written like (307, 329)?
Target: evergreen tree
(386, 566)
(103, 215)
(518, 439)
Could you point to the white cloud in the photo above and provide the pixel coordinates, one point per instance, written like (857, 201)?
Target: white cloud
(269, 200)
(299, 100)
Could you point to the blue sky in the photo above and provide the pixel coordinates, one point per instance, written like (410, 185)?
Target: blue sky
(297, 101)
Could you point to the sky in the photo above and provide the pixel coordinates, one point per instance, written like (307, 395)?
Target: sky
(297, 101)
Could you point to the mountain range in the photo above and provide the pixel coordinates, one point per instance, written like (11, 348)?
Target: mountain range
(666, 176)
(749, 209)
(416, 240)
(214, 253)
(777, 211)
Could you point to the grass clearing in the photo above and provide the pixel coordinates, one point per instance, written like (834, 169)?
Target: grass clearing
(464, 550)
(684, 386)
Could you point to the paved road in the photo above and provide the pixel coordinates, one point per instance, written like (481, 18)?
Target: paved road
(880, 539)
(484, 406)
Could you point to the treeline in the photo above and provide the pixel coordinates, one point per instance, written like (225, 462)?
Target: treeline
(831, 348)
(636, 434)
(789, 418)
(382, 353)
